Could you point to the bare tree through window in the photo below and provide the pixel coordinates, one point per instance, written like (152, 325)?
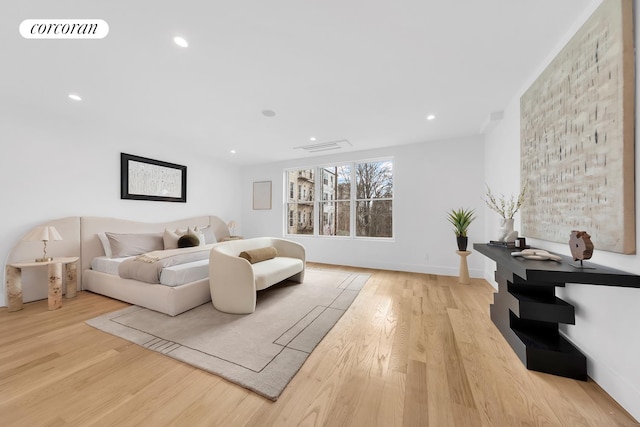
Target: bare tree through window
(374, 199)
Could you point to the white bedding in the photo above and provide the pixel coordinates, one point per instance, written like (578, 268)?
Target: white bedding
(175, 275)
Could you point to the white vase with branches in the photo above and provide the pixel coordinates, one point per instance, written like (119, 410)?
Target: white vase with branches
(506, 208)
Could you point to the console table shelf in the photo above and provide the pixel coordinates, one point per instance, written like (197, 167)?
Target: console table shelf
(544, 308)
(527, 312)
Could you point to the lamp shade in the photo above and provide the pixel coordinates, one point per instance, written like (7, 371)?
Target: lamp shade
(43, 233)
(232, 224)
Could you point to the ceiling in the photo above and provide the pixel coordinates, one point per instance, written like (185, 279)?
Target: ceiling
(366, 71)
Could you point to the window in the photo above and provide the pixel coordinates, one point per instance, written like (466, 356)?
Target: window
(354, 199)
(336, 205)
(374, 199)
(302, 206)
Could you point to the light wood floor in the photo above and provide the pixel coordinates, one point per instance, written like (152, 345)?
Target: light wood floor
(413, 349)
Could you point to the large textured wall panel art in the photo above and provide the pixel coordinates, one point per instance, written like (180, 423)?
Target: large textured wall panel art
(577, 136)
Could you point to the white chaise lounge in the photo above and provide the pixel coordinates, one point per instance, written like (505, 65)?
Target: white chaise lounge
(234, 280)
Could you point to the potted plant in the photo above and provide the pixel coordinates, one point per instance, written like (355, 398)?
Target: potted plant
(461, 219)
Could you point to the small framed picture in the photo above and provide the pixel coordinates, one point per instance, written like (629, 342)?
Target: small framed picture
(262, 195)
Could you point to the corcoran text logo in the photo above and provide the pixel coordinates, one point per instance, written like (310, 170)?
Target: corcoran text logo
(64, 29)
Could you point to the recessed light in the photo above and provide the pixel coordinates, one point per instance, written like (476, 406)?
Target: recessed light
(313, 138)
(233, 151)
(75, 97)
(180, 42)
(268, 113)
(431, 117)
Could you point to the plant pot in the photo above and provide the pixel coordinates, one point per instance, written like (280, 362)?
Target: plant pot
(462, 242)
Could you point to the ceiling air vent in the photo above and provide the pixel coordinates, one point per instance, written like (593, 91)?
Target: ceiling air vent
(324, 146)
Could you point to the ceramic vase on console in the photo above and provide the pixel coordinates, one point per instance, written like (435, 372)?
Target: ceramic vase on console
(507, 234)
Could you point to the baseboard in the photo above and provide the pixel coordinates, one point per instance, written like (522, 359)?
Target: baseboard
(615, 385)
(416, 268)
(489, 277)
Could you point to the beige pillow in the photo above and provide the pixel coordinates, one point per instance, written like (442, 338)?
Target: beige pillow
(258, 255)
(170, 239)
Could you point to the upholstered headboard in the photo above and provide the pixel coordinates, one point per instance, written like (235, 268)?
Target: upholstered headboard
(90, 246)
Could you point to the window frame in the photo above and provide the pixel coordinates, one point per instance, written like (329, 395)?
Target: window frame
(318, 179)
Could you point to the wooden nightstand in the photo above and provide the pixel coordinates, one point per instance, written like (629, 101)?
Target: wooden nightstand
(14, 280)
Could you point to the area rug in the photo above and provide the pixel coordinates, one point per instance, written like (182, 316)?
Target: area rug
(261, 351)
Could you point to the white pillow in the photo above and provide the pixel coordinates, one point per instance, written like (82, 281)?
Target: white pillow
(209, 237)
(198, 234)
(127, 244)
(105, 244)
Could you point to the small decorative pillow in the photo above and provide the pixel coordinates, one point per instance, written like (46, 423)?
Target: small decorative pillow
(258, 255)
(188, 241)
(170, 239)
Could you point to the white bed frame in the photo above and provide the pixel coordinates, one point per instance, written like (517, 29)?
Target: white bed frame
(165, 299)
(81, 239)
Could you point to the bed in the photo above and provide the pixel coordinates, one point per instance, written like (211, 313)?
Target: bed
(169, 299)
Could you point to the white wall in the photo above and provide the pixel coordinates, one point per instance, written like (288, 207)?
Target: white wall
(51, 169)
(429, 180)
(607, 318)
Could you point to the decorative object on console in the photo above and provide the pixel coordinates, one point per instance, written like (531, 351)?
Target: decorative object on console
(521, 243)
(507, 208)
(147, 179)
(537, 254)
(577, 136)
(461, 219)
(509, 245)
(581, 247)
(44, 234)
(507, 233)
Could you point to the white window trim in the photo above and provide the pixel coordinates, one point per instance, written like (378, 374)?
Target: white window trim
(318, 175)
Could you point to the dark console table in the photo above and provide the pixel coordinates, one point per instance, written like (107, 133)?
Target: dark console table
(527, 312)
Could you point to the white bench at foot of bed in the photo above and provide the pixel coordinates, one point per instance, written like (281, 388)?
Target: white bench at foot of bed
(234, 280)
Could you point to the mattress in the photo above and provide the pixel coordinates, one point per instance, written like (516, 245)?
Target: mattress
(175, 275)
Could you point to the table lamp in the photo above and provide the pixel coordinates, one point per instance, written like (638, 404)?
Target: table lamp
(44, 233)
(232, 226)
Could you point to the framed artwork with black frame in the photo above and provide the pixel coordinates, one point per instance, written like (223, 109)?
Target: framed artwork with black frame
(148, 179)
